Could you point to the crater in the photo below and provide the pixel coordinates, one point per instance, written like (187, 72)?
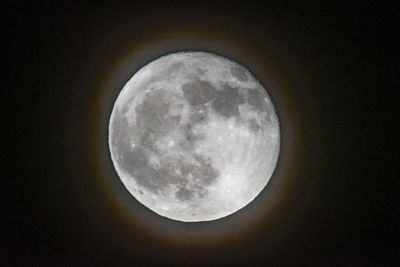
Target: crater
(153, 118)
(256, 97)
(253, 125)
(136, 163)
(239, 73)
(198, 92)
(204, 171)
(184, 194)
(227, 101)
(174, 68)
(119, 131)
(197, 116)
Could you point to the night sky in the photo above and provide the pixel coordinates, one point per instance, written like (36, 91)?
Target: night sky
(330, 69)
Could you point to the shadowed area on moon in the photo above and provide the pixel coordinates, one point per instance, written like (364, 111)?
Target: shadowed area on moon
(159, 150)
(239, 73)
(136, 161)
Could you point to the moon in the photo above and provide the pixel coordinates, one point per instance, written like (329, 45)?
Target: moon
(194, 136)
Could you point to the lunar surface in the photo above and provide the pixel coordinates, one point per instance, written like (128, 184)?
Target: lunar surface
(194, 136)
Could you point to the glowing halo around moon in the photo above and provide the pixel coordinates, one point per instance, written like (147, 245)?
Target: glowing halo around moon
(194, 136)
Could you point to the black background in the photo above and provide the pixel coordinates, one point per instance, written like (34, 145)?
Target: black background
(331, 69)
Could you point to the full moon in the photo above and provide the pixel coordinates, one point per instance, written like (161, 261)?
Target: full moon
(194, 136)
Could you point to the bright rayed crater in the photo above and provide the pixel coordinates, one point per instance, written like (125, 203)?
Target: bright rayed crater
(194, 136)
